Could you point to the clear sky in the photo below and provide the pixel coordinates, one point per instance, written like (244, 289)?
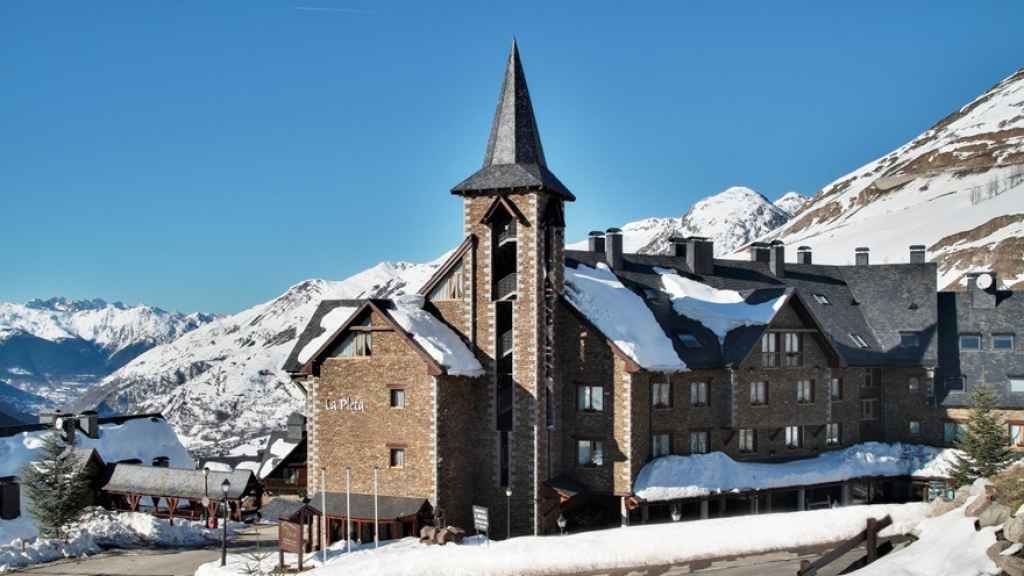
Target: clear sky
(201, 155)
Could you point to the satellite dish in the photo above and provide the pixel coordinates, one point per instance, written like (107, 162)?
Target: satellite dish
(985, 281)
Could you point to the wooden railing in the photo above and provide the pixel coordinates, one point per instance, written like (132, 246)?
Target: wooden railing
(869, 536)
(506, 286)
(505, 344)
(508, 233)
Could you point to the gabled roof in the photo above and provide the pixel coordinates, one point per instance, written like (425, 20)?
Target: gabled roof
(177, 482)
(280, 448)
(328, 316)
(514, 156)
(450, 263)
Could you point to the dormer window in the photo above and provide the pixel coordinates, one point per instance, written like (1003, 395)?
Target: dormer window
(909, 340)
(688, 340)
(356, 343)
(859, 341)
(822, 299)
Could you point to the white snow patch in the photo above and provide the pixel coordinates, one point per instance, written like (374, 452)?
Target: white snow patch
(278, 450)
(439, 341)
(672, 477)
(330, 323)
(622, 316)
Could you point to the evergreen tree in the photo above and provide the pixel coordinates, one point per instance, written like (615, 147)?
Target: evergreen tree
(985, 442)
(56, 485)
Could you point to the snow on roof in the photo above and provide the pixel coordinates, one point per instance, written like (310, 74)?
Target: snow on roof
(330, 324)
(248, 465)
(437, 339)
(217, 467)
(277, 451)
(673, 477)
(719, 310)
(621, 315)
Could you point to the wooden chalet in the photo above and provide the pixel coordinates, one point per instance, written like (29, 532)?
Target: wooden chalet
(181, 490)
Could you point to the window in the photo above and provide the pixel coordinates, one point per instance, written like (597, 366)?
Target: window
(822, 299)
(792, 345)
(699, 442)
(953, 431)
(955, 383)
(661, 445)
(805, 391)
(833, 435)
(913, 384)
(589, 398)
(688, 340)
(869, 409)
(859, 341)
(794, 437)
(970, 342)
(1002, 342)
(452, 287)
(397, 457)
(589, 452)
(1017, 384)
(355, 344)
(758, 393)
(661, 394)
(1016, 434)
(698, 393)
(915, 428)
(769, 350)
(908, 340)
(748, 440)
(397, 398)
(835, 389)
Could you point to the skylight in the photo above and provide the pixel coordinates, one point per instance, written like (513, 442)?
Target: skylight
(822, 299)
(859, 341)
(688, 340)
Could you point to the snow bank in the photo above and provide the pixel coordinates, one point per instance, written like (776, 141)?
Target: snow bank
(718, 310)
(672, 477)
(634, 547)
(622, 316)
(443, 344)
(99, 529)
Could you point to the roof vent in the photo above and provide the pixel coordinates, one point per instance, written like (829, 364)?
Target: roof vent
(803, 255)
(777, 258)
(759, 252)
(595, 241)
(613, 248)
(917, 252)
(861, 255)
(700, 255)
(678, 244)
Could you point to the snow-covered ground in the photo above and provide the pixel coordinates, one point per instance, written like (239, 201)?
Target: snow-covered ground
(671, 477)
(650, 545)
(100, 529)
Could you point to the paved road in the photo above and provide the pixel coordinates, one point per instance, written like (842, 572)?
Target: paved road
(165, 562)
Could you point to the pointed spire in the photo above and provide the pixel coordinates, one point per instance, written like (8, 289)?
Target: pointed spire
(514, 135)
(514, 156)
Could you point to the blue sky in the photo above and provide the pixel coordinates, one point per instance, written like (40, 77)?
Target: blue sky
(207, 155)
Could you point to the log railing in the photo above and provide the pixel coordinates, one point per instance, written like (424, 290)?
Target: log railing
(868, 536)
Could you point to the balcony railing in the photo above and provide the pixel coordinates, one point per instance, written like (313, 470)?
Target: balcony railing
(506, 287)
(505, 344)
(506, 387)
(508, 233)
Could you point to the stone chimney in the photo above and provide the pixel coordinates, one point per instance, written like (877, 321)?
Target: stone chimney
(803, 255)
(89, 423)
(296, 427)
(862, 255)
(613, 248)
(759, 252)
(777, 258)
(595, 241)
(981, 287)
(700, 255)
(678, 246)
(917, 252)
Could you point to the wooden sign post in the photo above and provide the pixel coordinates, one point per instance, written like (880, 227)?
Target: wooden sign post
(289, 539)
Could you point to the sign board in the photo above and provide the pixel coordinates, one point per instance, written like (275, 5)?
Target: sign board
(481, 520)
(290, 537)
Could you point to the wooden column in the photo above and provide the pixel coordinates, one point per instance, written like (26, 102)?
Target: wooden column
(845, 498)
(704, 508)
(645, 513)
(623, 512)
(172, 504)
(768, 503)
(801, 499)
(721, 505)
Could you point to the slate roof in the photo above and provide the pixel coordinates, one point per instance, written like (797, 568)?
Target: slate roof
(313, 330)
(515, 155)
(389, 507)
(176, 482)
(873, 302)
(9, 419)
(985, 366)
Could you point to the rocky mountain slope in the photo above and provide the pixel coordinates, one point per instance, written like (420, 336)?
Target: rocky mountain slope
(731, 218)
(958, 188)
(52, 349)
(221, 386)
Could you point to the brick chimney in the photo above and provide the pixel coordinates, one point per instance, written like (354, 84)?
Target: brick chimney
(917, 252)
(862, 255)
(613, 248)
(981, 287)
(700, 255)
(759, 252)
(595, 241)
(678, 244)
(777, 258)
(803, 255)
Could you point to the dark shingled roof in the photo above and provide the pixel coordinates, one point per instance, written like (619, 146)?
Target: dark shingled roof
(176, 482)
(874, 302)
(389, 507)
(515, 156)
(313, 330)
(986, 366)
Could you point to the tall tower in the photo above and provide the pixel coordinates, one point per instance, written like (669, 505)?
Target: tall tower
(513, 206)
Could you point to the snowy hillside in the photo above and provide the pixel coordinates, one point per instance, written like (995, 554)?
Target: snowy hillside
(731, 218)
(221, 386)
(791, 202)
(958, 188)
(56, 348)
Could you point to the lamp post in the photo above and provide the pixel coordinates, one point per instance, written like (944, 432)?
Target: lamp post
(376, 523)
(323, 515)
(348, 509)
(225, 486)
(508, 512)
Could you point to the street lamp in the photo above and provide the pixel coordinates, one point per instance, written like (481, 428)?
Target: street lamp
(225, 486)
(508, 512)
(561, 523)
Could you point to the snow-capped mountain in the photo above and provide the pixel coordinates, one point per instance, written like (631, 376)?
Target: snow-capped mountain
(791, 202)
(958, 188)
(221, 386)
(731, 218)
(52, 349)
